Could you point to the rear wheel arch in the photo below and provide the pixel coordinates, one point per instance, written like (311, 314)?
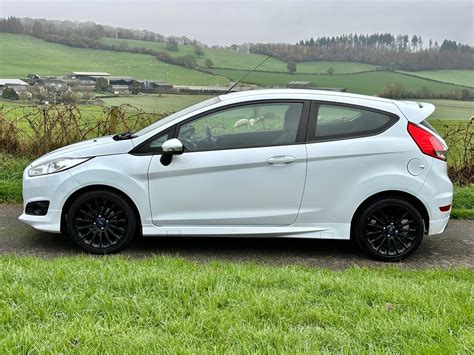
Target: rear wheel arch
(417, 203)
(67, 204)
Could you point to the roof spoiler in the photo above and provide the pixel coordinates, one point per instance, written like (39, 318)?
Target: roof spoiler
(415, 112)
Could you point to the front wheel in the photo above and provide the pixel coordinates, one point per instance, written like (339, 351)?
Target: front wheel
(389, 230)
(101, 222)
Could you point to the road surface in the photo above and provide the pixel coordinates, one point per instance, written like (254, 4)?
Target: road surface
(455, 247)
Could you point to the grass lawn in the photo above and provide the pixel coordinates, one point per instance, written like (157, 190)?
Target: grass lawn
(454, 76)
(163, 304)
(370, 83)
(21, 55)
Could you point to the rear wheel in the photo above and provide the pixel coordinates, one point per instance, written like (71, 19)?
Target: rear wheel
(101, 222)
(390, 229)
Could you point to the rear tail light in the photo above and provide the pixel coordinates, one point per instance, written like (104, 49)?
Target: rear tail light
(428, 143)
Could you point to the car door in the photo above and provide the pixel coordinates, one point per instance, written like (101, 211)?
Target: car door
(243, 165)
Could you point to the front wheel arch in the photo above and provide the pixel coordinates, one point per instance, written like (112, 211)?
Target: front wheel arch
(90, 188)
(395, 194)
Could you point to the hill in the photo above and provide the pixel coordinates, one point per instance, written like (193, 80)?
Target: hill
(227, 58)
(21, 55)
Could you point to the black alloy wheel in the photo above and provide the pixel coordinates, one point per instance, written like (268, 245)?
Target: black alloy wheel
(389, 230)
(101, 222)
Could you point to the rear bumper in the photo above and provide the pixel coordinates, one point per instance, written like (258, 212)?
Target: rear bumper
(438, 226)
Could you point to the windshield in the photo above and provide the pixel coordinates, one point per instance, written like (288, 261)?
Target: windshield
(178, 114)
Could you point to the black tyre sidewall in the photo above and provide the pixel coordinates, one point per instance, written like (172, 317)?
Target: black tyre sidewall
(120, 201)
(361, 239)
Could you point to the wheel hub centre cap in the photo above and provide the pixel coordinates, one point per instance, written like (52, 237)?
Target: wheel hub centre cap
(100, 222)
(390, 230)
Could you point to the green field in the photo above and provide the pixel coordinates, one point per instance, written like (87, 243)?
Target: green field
(451, 110)
(226, 58)
(169, 305)
(458, 77)
(157, 103)
(370, 83)
(21, 55)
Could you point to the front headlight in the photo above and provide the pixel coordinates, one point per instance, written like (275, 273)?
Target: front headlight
(55, 165)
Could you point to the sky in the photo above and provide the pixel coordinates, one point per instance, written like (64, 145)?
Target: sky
(226, 22)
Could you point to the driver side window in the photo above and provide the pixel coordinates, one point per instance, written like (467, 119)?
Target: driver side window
(245, 126)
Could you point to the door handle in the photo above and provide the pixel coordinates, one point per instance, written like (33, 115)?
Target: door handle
(281, 159)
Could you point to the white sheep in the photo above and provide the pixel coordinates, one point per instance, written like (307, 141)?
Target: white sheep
(245, 122)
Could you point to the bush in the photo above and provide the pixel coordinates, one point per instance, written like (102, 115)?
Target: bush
(36, 130)
(10, 93)
(461, 152)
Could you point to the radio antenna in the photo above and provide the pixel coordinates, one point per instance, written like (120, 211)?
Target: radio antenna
(246, 75)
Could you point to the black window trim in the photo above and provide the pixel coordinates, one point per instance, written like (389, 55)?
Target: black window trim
(143, 149)
(312, 125)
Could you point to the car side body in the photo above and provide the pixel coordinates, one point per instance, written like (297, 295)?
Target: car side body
(312, 187)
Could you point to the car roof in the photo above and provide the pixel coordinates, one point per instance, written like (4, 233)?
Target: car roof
(299, 93)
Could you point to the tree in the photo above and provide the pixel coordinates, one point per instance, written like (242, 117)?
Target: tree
(198, 51)
(38, 30)
(102, 85)
(330, 71)
(172, 45)
(10, 93)
(208, 63)
(291, 66)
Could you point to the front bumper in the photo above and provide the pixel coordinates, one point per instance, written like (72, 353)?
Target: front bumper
(54, 188)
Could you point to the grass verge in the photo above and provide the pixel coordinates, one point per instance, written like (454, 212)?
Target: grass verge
(165, 304)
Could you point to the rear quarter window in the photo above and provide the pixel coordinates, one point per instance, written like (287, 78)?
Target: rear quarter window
(333, 121)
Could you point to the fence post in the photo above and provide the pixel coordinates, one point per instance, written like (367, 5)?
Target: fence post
(113, 119)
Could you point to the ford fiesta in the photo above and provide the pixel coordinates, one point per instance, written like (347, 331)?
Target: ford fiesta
(276, 163)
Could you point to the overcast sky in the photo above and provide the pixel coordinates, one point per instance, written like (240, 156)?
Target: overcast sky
(225, 22)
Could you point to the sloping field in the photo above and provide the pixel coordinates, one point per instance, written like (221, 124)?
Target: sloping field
(21, 55)
(458, 77)
(369, 83)
(452, 110)
(224, 58)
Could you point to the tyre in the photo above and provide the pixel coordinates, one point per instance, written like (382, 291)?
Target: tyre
(101, 222)
(389, 229)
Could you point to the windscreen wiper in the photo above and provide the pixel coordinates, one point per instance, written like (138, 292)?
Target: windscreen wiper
(124, 135)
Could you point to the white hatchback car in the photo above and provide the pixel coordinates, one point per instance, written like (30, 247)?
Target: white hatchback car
(276, 163)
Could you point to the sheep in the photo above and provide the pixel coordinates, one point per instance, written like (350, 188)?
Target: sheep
(247, 122)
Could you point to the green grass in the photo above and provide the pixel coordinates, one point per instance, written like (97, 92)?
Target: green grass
(370, 83)
(157, 103)
(225, 58)
(169, 305)
(11, 172)
(21, 55)
(463, 204)
(454, 76)
(451, 110)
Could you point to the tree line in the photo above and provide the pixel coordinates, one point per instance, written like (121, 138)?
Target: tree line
(392, 52)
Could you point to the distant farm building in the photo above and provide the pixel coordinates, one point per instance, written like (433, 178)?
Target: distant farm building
(16, 84)
(86, 75)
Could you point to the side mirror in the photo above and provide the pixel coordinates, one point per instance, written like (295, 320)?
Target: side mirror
(171, 147)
